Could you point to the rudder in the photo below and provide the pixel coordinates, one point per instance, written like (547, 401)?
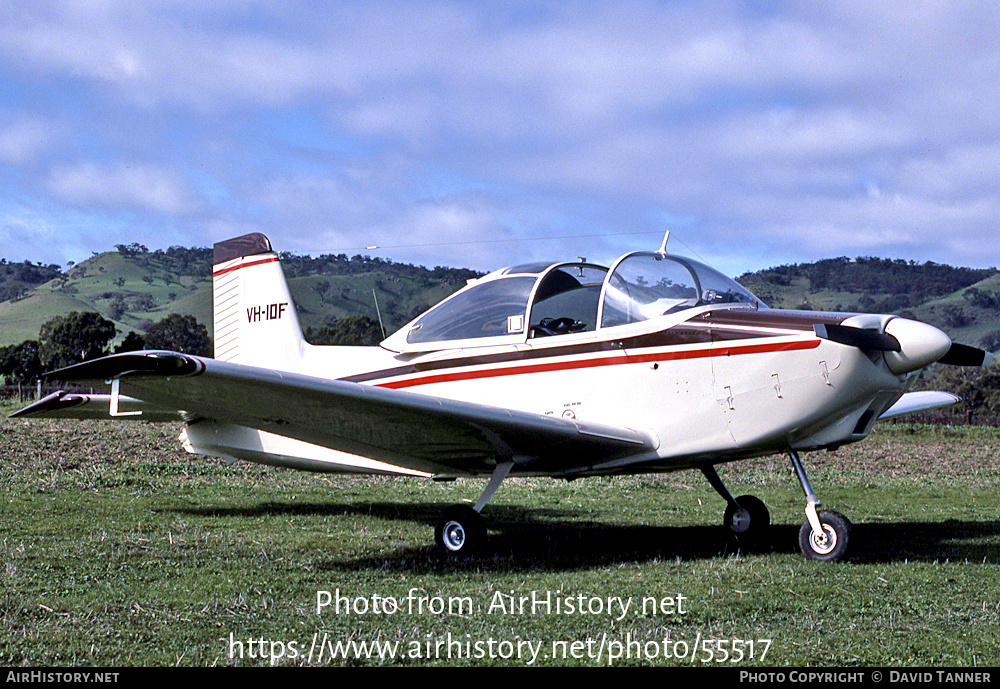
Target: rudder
(254, 317)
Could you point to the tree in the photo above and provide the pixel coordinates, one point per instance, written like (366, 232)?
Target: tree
(117, 308)
(991, 341)
(352, 330)
(178, 333)
(133, 342)
(984, 300)
(80, 336)
(131, 249)
(978, 386)
(19, 364)
(957, 317)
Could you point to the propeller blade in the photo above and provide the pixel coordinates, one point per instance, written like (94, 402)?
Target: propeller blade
(861, 338)
(964, 355)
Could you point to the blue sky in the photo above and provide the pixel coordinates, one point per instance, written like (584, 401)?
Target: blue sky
(485, 134)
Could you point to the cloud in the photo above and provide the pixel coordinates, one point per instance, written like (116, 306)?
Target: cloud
(124, 186)
(23, 140)
(368, 206)
(870, 124)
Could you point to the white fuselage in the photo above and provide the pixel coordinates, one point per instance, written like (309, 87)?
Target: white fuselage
(701, 401)
(704, 382)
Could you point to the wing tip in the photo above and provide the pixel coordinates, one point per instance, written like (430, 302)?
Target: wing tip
(57, 401)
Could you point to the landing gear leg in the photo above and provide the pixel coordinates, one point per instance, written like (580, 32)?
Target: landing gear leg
(825, 534)
(461, 530)
(746, 518)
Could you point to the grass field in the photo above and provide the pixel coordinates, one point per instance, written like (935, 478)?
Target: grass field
(118, 549)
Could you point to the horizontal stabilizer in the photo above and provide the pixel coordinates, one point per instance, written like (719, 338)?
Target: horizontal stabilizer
(71, 405)
(152, 363)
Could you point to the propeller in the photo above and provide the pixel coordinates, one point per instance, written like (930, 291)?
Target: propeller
(964, 355)
(862, 338)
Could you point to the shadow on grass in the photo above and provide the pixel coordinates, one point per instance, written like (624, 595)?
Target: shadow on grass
(540, 539)
(949, 540)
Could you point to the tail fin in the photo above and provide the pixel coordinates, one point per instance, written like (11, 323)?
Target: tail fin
(255, 319)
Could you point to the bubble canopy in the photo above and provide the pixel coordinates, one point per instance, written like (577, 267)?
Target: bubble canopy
(543, 300)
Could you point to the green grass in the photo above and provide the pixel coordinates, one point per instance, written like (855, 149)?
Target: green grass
(119, 549)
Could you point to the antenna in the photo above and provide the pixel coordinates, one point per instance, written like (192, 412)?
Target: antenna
(378, 312)
(663, 246)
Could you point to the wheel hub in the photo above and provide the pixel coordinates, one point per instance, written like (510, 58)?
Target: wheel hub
(740, 522)
(454, 536)
(824, 542)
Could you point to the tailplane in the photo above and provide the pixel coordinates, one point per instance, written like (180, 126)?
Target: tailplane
(254, 316)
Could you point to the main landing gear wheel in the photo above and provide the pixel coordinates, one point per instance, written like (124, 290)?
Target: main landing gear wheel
(748, 522)
(460, 532)
(829, 546)
(746, 519)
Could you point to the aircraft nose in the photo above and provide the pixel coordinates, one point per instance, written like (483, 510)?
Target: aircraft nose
(920, 344)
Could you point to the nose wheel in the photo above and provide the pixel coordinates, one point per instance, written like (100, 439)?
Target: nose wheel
(830, 543)
(825, 534)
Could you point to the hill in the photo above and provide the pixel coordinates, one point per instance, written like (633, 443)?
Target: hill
(16, 279)
(964, 302)
(135, 287)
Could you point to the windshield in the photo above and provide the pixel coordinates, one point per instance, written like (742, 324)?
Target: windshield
(646, 285)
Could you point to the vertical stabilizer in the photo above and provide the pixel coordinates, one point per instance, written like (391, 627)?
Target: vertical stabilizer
(255, 319)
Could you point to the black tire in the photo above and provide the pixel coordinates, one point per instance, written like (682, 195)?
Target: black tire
(837, 535)
(460, 532)
(750, 525)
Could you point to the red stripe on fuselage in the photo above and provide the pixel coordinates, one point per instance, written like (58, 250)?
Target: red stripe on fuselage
(230, 269)
(616, 360)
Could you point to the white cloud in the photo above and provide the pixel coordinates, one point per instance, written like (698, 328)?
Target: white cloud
(23, 140)
(804, 127)
(124, 186)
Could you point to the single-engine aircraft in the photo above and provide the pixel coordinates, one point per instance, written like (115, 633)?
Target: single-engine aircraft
(655, 363)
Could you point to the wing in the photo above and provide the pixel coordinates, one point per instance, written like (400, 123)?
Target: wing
(920, 401)
(417, 432)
